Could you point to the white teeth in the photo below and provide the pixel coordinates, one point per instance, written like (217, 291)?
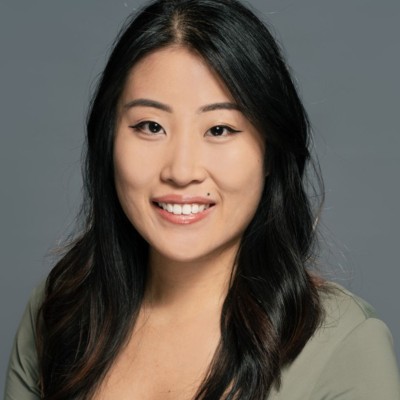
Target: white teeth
(185, 209)
(177, 209)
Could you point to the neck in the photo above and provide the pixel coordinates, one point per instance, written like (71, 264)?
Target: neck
(187, 287)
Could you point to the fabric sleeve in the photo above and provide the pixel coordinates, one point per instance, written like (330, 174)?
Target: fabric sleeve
(22, 375)
(362, 367)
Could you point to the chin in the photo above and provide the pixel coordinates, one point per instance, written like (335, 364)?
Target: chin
(181, 256)
(186, 254)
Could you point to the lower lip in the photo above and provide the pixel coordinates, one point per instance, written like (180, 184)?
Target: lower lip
(182, 219)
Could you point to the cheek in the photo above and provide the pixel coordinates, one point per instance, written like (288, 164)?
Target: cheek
(133, 170)
(240, 171)
(133, 176)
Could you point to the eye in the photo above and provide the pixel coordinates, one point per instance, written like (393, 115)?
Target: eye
(148, 127)
(221, 130)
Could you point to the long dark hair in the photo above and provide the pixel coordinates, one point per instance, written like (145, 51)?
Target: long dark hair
(272, 308)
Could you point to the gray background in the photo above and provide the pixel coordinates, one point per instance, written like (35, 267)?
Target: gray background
(345, 57)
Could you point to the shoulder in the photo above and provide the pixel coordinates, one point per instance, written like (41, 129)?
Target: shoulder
(36, 298)
(341, 360)
(22, 375)
(27, 327)
(343, 312)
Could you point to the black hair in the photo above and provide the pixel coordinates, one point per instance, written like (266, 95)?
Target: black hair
(272, 308)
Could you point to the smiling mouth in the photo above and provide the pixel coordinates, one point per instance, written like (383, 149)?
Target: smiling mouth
(183, 209)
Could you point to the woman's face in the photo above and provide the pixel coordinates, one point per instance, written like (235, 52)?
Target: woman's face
(188, 164)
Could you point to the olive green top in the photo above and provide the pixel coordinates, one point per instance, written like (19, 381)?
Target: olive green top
(350, 357)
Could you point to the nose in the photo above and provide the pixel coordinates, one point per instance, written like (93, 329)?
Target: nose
(184, 163)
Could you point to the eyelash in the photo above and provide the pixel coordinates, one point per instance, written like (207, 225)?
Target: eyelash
(144, 127)
(230, 130)
(141, 127)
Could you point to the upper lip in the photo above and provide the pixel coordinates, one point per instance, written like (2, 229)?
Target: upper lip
(182, 199)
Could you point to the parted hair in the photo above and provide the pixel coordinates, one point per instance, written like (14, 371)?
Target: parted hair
(272, 308)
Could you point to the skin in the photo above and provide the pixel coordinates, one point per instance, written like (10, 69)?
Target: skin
(177, 331)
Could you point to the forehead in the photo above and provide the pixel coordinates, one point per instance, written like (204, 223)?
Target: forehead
(176, 72)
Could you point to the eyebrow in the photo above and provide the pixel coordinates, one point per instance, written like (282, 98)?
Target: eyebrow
(220, 106)
(148, 103)
(165, 107)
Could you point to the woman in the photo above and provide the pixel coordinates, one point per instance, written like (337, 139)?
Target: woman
(191, 278)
